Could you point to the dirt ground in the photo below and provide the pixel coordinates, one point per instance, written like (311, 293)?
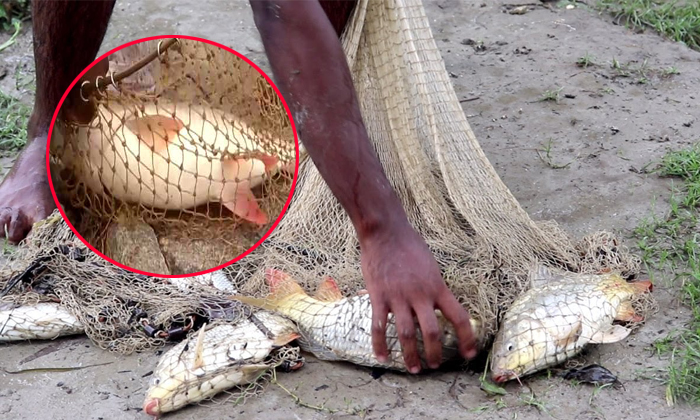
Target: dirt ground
(610, 127)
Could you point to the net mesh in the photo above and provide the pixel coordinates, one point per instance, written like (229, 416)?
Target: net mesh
(196, 144)
(484, 242)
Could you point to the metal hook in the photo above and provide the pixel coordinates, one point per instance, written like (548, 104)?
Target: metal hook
(81, 91)
(97, 85)
(111, 76)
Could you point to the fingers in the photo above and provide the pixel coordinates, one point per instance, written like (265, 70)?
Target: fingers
(430, 331)
(458, 316)
(379, 320)
(406, 330)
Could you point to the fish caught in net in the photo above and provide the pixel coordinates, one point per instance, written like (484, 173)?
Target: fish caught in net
(198, 145)
(484, 242)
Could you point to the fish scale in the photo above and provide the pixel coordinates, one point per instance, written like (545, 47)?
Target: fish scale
(42, 321)
(557, 317)
(337, 328)
(228, 355)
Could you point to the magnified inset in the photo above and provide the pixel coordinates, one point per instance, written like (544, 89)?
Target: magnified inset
(172, 156)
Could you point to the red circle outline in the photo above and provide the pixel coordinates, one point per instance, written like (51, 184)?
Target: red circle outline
(241, 256)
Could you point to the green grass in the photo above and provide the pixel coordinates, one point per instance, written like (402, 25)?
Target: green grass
(551, 95)
(672, 243)
(14, 116)
(676, 20)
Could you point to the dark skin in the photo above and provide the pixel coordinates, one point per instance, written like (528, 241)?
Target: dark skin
(401, 274)
(64, 44)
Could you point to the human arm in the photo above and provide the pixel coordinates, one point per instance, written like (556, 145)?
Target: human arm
(401, 274)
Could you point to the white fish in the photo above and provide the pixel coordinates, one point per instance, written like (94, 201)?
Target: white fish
(333, 327)
(216, 279)
(558, 316)
(169, 156)
(220, 358)
(41, 321)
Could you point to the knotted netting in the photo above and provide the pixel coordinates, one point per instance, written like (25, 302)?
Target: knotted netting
(484, 242)
(196, 144)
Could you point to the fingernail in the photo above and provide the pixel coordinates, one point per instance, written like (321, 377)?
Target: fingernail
(382, 359)
(471, 354)
(414, 370)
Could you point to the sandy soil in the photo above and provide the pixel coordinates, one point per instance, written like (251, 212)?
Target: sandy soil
(610, 128)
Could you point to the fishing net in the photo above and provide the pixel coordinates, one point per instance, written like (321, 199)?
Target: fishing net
(484, 242)
(181, 152)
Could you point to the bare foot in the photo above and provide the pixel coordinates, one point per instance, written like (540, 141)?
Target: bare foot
(25, 196)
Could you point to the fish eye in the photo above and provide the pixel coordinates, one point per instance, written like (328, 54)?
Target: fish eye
(509, 347)
(156, 381)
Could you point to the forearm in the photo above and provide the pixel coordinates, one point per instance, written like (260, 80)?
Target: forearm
(311, 71)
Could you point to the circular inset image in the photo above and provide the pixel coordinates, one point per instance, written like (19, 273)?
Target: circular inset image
(172, 156)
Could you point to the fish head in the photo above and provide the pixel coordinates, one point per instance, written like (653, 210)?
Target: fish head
(167, 391)
(520, 345)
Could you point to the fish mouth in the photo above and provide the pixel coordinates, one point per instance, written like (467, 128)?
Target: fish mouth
(152, 407)
(504, 376)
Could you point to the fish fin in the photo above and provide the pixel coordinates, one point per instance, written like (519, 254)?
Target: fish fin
(157, 131)
(612, 335)
(284, 339)
(281, 283)
(239, 199)
(199, 349)
(642, 286)
(328, 291)
(252, 372)
(281, 286)
(271, 162)
(626, 313)
(572, 337)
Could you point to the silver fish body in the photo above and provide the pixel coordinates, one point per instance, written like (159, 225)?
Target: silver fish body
(342, 331)
(41, 321)
(337, 328)
(221, 357)
(557, 317)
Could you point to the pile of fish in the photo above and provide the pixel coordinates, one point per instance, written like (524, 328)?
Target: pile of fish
(555, 319)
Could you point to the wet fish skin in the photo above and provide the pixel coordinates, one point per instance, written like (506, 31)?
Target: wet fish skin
(221, 357)
(337, 328)
(216, 279)
(42, 321)
(558, 316)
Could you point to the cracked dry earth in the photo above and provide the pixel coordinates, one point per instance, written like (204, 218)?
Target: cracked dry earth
(604, 126)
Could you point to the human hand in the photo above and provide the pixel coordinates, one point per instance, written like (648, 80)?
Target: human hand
(402, 277)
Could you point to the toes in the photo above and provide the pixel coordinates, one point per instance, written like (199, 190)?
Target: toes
(19, 226)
